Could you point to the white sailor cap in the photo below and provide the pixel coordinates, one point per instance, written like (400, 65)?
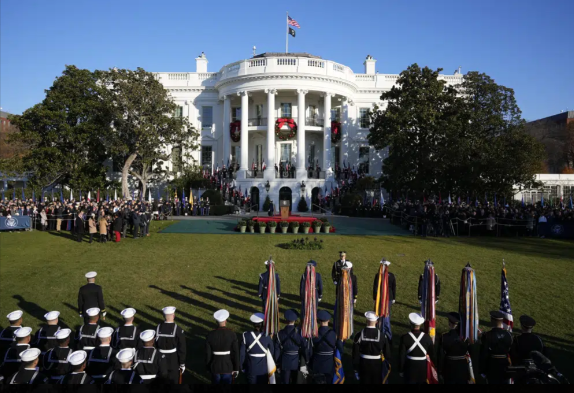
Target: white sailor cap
(77, 357)
(267, 262)
(105, 332)
(23, 332)
(50, 316)
(125, 355)
(349, 265)
(371, 316)
(92, 312)
(385, 262)
(168, 310)
(62, 334)
(91, 274)
(416, 319)
(221, 315)
(147, 335)
(128, 312)
(257, 318)
(30, 354)
(14, 315)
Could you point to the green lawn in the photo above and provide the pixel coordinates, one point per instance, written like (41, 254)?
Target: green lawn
(200, 274)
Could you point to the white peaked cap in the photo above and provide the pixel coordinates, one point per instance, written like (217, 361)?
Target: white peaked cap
(23, 332)
(147, 335)
(168, 310)
(14, 315)
(30, 354)
(257, 318)
(349, 265)
(62, 334)
(128, 312)
(416, 319)
(371, 316)
(125, 355)
(91, 274)
(385, 262)
(77, 357)
(105, 332)
(221, 315)
(50, 316)
(92, 312)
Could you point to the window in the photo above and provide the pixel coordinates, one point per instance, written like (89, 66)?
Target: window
(258, 155)
(176, 159)
(178, 112)
(364, 117)
(336, 114)
(207, 116)
(311, 160)
(235, 113)
(364, 159)
(336, 154)
(566, 192)
(206, 156)
(285, 110)
(234, 154)
(286, 152)
(259, 111)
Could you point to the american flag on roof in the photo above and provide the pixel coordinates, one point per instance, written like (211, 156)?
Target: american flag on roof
(505, 308)
(293, 22)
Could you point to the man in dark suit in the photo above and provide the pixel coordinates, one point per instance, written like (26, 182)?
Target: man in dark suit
(222, 351)
(136, 221)
(80, 226)
(91, 295)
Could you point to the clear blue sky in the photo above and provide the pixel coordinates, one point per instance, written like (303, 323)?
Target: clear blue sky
(527, 45)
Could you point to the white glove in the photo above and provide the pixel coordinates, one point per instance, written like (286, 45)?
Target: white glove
(320, 300)
(420, 302)
(182, 368)
(105, 313)
(335, 282)
(303, 370)
(81, 316)
(354, 301)
(235, 374)
(357, 376)
(393, 302)
(436, 301)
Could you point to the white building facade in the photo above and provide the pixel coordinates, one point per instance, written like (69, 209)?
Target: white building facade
(236, 111)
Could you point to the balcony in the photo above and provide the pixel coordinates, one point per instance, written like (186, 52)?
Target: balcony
(316, 175)
(314, 122)
(285, 174)
(254, 174)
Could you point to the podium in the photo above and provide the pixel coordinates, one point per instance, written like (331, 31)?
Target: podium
(284, 208)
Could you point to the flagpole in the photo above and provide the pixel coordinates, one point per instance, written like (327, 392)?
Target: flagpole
(287, 34)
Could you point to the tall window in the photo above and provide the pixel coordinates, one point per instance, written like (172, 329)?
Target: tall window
(285, 110)
(178, 112)
(336, 114)
(234, 154)
(566, 192)
(364, 117)
(235, 113)
(258, 155)
(206, 155)
(286, 152)
(336, 154)
(364, 159)
(207, 116)
(177, 159)
(311, 160)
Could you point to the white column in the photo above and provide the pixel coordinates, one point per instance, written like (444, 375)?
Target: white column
(347, 120)
(244, 165)
(270, 157)
(186, 115)
(301, 171)
(226, 136)
(327, 167)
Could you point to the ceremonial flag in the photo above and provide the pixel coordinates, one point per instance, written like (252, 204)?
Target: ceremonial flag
(23, 195)
(263, 166)
(191, 198)
(505, 308)
(271, 368)
(339, 376)
(89, 196)
(432, 375)
(309, 327)
(468, 305)
(271, 321)
(183, 198)
(429, 299)
(343, 321)
(71, 194)
(571, 204)
(382, 301)
(293, 22)
(449, 200)
(98, 196)
(292, 32)
(382, 199)
(522, 200)
(149, 194)
(115, 194)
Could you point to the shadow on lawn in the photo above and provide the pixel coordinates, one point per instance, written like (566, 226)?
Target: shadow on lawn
(66, 235)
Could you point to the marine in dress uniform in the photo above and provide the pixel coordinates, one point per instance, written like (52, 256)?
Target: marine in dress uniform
(7, 334)
(254, 346)
(289, 347)
(413, 351)
(29, 373)
(102, 359)
(45, 338)
(525, 343)
(170, 341)
(385, 323)
(12, 361)
(264, 283)
(149, 362)
(318, 287)
(495, 351)
(324, 345)
(55, 361)
(125, 375)
(127, 336)
(77, 376)
(222, 351)
(451, 353)
(86, 336)
(370, 349)
(91, 296)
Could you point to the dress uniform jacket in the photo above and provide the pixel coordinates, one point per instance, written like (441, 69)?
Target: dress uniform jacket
(323, 356)
(86, 336)
(414, 348)
(11, 361)
(318, 289)
(494, 355)
(392, 286)
(368, 347)
(55, 363)
(170, 340)
(126, 336)
(124, 376)
(523, 345)
(452, 363)
(337, 268)
(45, 339)
(254, 347)
(90, 296)
(436, 286)
(222, 351)
(7, 338)
(28, 376)
(263, 286)
(101, 362)
(77, 379)
(150, 363)
(289, 346)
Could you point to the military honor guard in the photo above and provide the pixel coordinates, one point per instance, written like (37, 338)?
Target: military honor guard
(12, 361)
(126, 336)
(102, 359)
(371, 353)
(91, 296)
(454, 364)
(311, 292)
(45, 338)
(414, 350)
(29, 373)
(253, 353)
(222, 351)
(7, 334)
(86, 336)
(150, 364)
(421, 286)
(264, 289)
(384, 292)
(125, 375)
(78, 376)
(495, 351)
(290, 348)
(170, 341)
(55, 361)
(338, 266)
(324, 346)
(526, 342)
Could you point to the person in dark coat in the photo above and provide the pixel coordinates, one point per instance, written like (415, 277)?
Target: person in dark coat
(136, 222)
(125, 375)
(79, 225)
(117, 227)
(526, 342)
(495, 351)
(222, 352)
(170, 341)
(436, 285)
(254, 346)
(370, 349)
(318, 287)
(91, 296)
(102, 359)
(28, 374)
(264, 283)
(290, 347)
(55, 361)
(86, 336)
(7, 334)
(150, 364)
(413, 351)
(324, 346)
(45, 336)
(127, 335)
(385, 323)
(451, 353)
(77, 376)
(11, 361)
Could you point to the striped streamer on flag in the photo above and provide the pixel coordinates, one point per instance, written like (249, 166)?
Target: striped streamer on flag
(505, 308)
(271, 322)
(428, 300)
(468, 305)
(309, 327)
(344, 306)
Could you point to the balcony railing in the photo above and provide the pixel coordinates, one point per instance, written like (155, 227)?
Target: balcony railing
(316, 174)
(254, 174)
(285, 174)
(314, 122)
(257, 122)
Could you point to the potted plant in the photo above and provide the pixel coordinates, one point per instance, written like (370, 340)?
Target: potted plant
(317, 226)
(306, 226)
(295, 226)
(326, 226)
(251, 226)
(242, 225)
(284, 226)
(272, 226)
(262, 226)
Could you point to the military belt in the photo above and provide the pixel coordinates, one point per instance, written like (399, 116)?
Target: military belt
(222, 353)
(149, 376)
(325, 353)
(498, 356)
(99, 376)
(416, 358)
(371, 357)
(456, 357)
(291, 353)
(87, 348)
(168, 350)
(257, 355)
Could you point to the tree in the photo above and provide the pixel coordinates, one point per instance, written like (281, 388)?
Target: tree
(144, 123)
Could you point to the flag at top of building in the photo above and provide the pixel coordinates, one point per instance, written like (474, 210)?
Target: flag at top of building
(290, 31)
(505, 308)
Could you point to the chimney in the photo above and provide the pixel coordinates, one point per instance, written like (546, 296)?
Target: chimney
(369, 65)
(201, 63)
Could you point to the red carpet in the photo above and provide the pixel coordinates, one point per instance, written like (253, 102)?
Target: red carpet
(290, 219)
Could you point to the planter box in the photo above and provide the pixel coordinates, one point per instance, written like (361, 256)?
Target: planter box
(242, 229)
(295, 229)
(317, 229)
(284, 229)
(272, 229)
(306, 230)
(252, 229)
(262, 230)
(326, 229)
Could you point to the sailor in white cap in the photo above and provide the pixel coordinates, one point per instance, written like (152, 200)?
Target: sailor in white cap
(254, 347)
(125, 375)
(77, 376)
(149, 362)
(385, 324)
(170, 341)
(86, 336)
(127, 336)
(91, 296)
(370, 349)
(12, 359)
(102, 359)
(45, 337)
(264, 283)
(29, 373)
(222, 351)
(55, 360)
(413, 351)
(7, 335)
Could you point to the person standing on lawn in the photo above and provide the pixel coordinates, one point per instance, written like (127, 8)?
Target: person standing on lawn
(222, 351)
(90, 296)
